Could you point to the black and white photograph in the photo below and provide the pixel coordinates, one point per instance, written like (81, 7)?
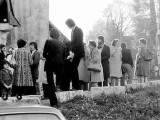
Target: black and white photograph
(80, 59)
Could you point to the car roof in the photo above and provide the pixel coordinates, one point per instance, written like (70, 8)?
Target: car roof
(15, 108)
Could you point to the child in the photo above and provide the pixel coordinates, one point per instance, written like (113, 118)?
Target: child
(6, 80)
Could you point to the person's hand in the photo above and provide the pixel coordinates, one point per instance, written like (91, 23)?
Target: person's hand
(10, 86)
(71, 55)
(6, 86)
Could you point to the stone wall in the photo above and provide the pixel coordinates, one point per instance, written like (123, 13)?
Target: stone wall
(33, 15)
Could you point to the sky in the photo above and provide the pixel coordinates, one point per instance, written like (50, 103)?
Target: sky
(84, 12)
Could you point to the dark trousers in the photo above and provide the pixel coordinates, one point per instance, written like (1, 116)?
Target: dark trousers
(70, 73)
(34, 85)
(6, 91)
(123, 81)
(22, 90)
(51, 87)
(59, 75)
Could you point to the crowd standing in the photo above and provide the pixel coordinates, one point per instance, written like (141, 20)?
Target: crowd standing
(84, 65)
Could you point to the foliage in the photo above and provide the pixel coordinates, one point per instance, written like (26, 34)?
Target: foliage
(140, 104)
(116, 22)
(145, 20)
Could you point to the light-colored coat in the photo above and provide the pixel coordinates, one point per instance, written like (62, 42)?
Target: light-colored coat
(84, 74)
(96, 59)
(115, 62)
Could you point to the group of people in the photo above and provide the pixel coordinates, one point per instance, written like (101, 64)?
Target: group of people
(92, 64)
(86, 65)
(19, 70)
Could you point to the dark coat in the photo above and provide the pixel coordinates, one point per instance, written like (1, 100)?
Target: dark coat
(127, 57)
(77, 42)
(105, 55)
(34, 66)
(6, 77)
(2, 58)
(54, 52)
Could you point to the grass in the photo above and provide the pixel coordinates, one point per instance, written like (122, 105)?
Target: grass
(138, 104)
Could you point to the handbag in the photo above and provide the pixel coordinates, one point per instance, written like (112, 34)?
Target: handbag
(147, 57)
(94, 67)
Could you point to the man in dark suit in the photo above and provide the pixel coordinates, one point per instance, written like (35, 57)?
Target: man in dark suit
(127, 63)
(76, 51)
(34, 67)
(54, 52)
(105, 55)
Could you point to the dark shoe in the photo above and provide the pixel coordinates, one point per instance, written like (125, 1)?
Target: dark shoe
(19, 97)
(58, 89)
(5, 97)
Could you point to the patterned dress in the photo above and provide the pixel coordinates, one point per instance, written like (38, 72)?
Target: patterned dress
(22, 73)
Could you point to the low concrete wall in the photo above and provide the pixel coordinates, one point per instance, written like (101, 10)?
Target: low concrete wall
(67, 95)
(64, 96)
(134, 86)
(95, 91)
(107, 90)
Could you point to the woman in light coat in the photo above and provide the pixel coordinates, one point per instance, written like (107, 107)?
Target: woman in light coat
(115, 62)
(84, 74)
(95, 77)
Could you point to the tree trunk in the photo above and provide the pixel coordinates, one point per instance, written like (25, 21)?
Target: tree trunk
(153, 25)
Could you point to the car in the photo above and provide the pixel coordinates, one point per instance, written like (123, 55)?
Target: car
(25, 111)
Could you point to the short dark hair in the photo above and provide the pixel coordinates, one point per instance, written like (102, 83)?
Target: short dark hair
(54, 33)
(2, 46)
(114, 42)
(5, 62)
(142, 40)
(101, 38)
(93, 43)
(21, 43)
(123, 46)
(70, 22)
(34, 44)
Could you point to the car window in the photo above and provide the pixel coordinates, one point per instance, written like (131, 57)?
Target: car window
(30, 117)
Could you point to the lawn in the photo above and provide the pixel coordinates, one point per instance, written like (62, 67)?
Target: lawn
(136, 104)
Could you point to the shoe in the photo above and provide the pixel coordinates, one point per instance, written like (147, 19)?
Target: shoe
(19, 97)
(5, 97)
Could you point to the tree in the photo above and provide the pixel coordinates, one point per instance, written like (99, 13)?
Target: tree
(97, 29)
(153, 24)
(145, 20)
(116, 22)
